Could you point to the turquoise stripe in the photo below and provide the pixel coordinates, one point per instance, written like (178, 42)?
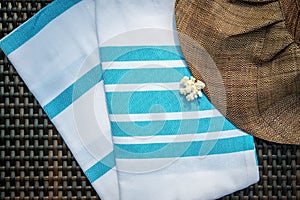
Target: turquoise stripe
(152, 75)
(101, 167)
(171, 127)
(184, 149)
(136, 102)
(35, 24)
(140, 53)
(73, 92)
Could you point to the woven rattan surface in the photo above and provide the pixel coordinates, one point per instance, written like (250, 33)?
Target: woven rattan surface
(36, 164)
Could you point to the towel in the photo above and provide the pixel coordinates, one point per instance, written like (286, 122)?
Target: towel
(107, 73)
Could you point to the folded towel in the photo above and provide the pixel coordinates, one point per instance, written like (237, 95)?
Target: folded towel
(121, 113)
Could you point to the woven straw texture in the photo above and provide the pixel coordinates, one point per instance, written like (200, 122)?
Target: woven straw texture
(36, 164)
(255, 54)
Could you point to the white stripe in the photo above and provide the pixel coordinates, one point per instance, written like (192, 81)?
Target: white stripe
(141, 87)
(107, 185)
(178, 138)
(164, 116)
(86, 132)
(143, 64)
(209, 177)
(146, 34)
(209, 163)
(53, 54)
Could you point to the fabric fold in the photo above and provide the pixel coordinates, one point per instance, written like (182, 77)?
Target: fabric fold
(58, 60)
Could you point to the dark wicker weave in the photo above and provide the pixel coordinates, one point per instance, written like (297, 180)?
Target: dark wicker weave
(36, 164)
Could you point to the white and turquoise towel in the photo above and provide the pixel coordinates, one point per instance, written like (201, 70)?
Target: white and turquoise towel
(56, 54)
(121, 113)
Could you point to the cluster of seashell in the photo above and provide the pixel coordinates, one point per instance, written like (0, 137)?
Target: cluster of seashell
(191, 88)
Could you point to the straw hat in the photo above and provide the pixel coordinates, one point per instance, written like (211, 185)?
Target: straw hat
(255, 47)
